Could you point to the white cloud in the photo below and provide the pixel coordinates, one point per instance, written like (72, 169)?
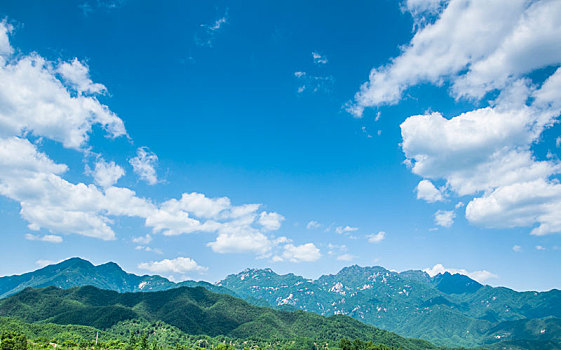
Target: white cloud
(270, 221)
(302, 253)
(178, 265)
(479, 276)
(56, 101)
(345, 229)
(346, 257)
(142, 239)
(516, 248)
(539, 247)
(428, 192)
(318, 58)
(77, 75)
(444, 218)
(376, 237)
(313, 225)
(44, 238)
(461, 46)
(107, 174)
(144, 165)
(5, 47)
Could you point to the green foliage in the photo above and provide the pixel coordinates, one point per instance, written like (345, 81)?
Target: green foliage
(181, 315)
(13, 341)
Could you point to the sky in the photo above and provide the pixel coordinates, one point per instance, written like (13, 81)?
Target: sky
(194, 139)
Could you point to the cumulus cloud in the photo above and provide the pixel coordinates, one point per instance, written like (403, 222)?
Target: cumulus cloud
(444, 218)
(376, 237)
(428, 192)
(302, 253)
(479, 276)
(144, 165)
(346, 257)
(345, 229)
(486, 153)
(179, 265)
(44, 238)
(107, 174)
(270, 221)
(461, 46)
(57, 101)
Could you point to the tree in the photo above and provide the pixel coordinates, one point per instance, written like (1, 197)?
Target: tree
(13, 341)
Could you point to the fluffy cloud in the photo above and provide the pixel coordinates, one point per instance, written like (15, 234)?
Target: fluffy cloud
(45, 238)
(178, 265)
(57, 101)
(345, 257)
(461, 45)
(302, 253)
(144, 165)
(480, 276)
(142, 239)
(106, 174)
(486, 153)
(270, 221)
(428, 192)
(444, 218)
(376, 237)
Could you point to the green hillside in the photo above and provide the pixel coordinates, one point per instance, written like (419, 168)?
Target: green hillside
(194, 311)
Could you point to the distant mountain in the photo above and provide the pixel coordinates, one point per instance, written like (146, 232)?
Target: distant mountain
(77, 272)
(195, 311)
(447, 309)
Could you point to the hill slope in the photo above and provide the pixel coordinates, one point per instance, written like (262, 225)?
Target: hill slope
(448, 309)
(195, 311)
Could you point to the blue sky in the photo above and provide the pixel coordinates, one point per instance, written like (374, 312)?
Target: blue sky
(195, 139)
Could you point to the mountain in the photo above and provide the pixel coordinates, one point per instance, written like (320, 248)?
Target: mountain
(447, 309)
(194, 311)
(77, 272)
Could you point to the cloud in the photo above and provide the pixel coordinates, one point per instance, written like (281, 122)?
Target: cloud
(270, 221)
(318, 58)
(427, 192)
(444, 218)
(44, 238)
(462, 47)
(179, 265)
(303, 253)
(142, 239)
(56, 101)
(346, 257)
(345, 229)
(479, 276)
(539, 247)
(516, 248)
(106, 174)
(205, 37)
(313, 225)
(486, 153)
(144, 165)
(376, 237)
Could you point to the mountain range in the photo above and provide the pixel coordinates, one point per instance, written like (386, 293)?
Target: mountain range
(193, 311)
(447, 309)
